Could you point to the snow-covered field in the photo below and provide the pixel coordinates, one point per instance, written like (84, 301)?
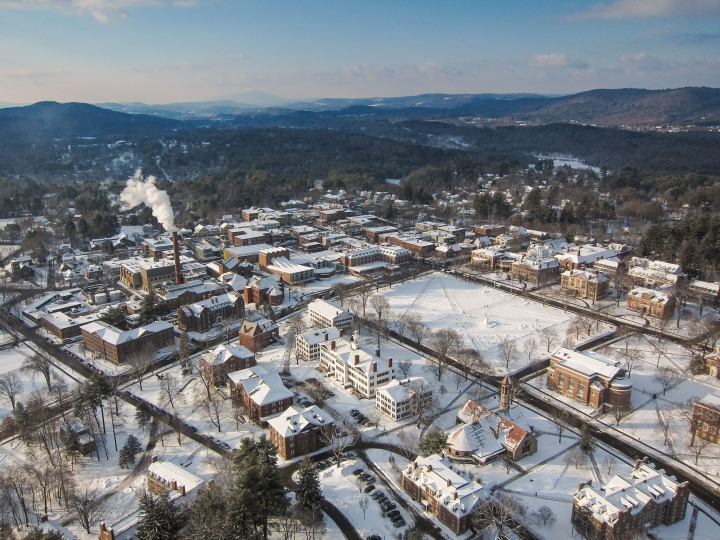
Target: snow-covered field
(483, 315)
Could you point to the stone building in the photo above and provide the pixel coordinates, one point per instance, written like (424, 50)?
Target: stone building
(624, 506)
(589, 284)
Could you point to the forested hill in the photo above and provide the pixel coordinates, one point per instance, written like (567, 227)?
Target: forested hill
(49, 120)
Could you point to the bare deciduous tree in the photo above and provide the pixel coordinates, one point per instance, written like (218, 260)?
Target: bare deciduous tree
(619, 412)
(666, 377)
(507, 349)
(469, 359)
(559, 419)
(502, 515)
(409, 442)
(544, 516)
(86, 504)
(529, 347)
(39, 364)
(11, 386)
(576, 457)
(363, 504)
(140, 361)
(213, 406)
(170, 389)
(609, 463)
(698, 448)
(381, 313)
(404, 367)
(549, 337)
(418, 329)
(444, 342)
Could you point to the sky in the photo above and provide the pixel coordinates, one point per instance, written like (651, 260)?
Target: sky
(164, 51)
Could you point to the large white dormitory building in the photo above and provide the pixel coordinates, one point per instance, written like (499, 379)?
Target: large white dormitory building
(324, 314)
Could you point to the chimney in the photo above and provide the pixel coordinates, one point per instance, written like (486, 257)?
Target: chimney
(357, 359)
(153, 459)
(332, 345)
(581, 485)
(390, 362)
(326, 336)
(181, 489)
(456, 495)
(173, 484)
(352, 338)
(429, 468)
(449, 483)
(342, 333)
(377, 352)
(176, 254)
(374, 367)
(477, 480)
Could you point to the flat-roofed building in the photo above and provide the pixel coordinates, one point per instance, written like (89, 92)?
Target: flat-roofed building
(246, 253)
(153, 273)
(324, 314)
(535, 270)
(705, 292)
(290, 272)
(66, 326)
(195, 290)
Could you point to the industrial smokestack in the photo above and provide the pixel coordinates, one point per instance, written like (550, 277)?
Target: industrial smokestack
(176, 255)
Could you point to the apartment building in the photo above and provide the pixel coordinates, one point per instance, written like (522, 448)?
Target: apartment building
(204, 315)
(706, 418)
(117, 345)
(225, 359)
(298, 432)
(307, 345)
(400, 399)
(324, 314)
(628, 505)
(355, 368)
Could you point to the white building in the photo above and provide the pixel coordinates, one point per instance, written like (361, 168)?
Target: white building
(355, 368)
(399, 398)
(324, 314)
(307, 345)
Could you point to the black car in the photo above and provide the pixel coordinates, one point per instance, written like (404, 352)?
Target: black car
(353, 412)
(377, 495)
(357, 472)
(389, 506)
(392, 513)
(399, 523)
(370, 479)
(373, 537)
(382, 500)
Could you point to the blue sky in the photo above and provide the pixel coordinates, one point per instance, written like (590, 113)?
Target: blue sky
(160, 51)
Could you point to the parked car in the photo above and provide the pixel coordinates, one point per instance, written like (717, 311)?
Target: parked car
(354, 412)
(364, 475)
(399, 523)
(377, 495)
(373, 537)
(357, 472)
(370, 479)
(392, 513)
(369, 488)
(389, 506)
(382, 499)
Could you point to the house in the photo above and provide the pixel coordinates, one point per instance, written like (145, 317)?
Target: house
(656, 303)
(166, 476)
(589, 284)
(256, 335)
(298, 432)
(483, 436)
(324, 314)
(400, 399)
(590, 378)
(117, 345)
(225, 359)
(354, 368)
(84, 440)
(263, 394)
(623, 506)
(706, 418)
(264, 290)
(204, 315)
(443, 492)
(307, 345)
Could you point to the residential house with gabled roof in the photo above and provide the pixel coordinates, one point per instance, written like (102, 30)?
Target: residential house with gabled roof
(626, 505)
(225, 359)
(483, 435)
(298, 432)
(258, 334)
(446, 494)
(263, 394)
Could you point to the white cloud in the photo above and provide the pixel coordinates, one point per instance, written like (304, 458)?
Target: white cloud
(640, 9)
(556, 61)
(101, 10)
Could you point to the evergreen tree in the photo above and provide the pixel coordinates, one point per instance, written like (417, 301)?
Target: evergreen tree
(133, 445)
(159, 517)
(115, 316)
(125, 458)
(308, 493)
(143, 416)
(433, 442)
(22, 421)
(151, 309)
(258, 493)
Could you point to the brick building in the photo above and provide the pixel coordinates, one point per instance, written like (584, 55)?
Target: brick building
(297, 432)
(535, 271)
(656, 303)
(590, 378)
(712, 364)
(589, 284)
(256, 335)
(66, 326)
(446, 494)
(706, 418)
(117, 345)
(225, 359)
(166, 476)
(263, 394)
(264, 290)
(624, 506)
(204, 315)
(191, 292)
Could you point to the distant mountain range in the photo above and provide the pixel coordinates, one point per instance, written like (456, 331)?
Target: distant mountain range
(604, 108)
(621, 107)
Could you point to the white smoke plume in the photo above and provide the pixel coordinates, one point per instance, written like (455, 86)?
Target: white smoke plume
(140, 191)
